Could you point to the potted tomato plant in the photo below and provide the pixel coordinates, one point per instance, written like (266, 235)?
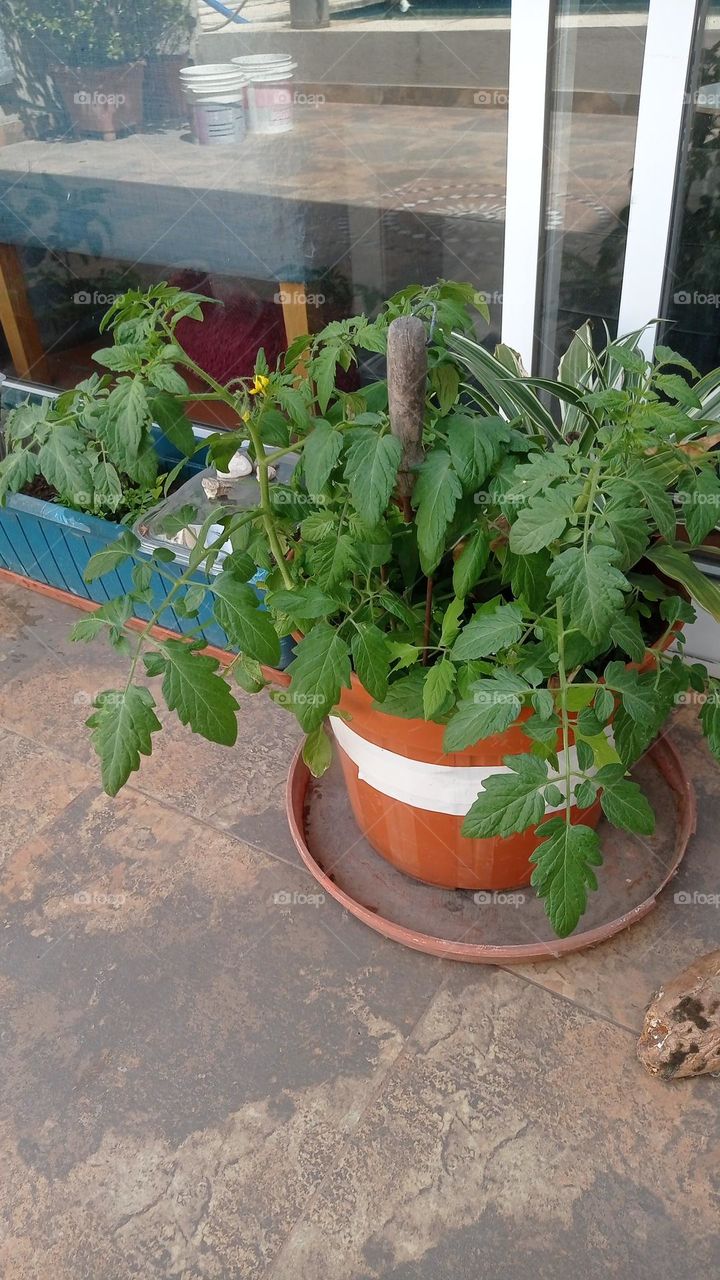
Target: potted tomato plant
(485, 625)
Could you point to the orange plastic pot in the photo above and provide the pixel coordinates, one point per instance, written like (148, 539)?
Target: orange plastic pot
(417, 838)
(401, 810)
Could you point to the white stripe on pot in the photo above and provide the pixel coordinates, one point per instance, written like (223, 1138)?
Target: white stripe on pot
(438, 788)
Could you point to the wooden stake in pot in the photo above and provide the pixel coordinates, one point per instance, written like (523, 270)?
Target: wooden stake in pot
(407, 376)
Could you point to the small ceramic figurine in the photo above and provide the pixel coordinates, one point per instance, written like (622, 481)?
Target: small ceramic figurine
(238, 466)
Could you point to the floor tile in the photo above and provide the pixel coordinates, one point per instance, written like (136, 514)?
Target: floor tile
(190, 1035)
(47, 696)
(618, 978)
(36, 784)
(517, 1136)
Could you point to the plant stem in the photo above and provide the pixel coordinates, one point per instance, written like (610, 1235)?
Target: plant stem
(562, 677)
(263, 461)
(428, 621)
(264, 482)
(594, 478)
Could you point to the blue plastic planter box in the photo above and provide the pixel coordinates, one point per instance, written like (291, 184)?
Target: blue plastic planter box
(52, 544)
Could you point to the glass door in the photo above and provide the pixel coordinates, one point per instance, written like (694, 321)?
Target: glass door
(692, 296)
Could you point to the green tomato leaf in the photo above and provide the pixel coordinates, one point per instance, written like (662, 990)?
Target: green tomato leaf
(639, 696)
(122, 726)
(509, 802)
(630, 531)
(475, 446)
(487, 712)
(659, 503)
(321, 451)
(604, 704)
(111, 556)
(16, 471)
(591, 586)
(107, 486)
(585, 793)
(332, 560)
(306, 603)
(371, 657)
(371, 471)
(323, 372)
(563, 871)
(623, 803)
(200, 697)
(248, 674)
(127, 413)
(435, 498)
(626, 633)
(438, 686)
(701, 506)
(120, 358)
(64, 463)
(319, 670)
(493, 627)
(405, 696)
(543, 703)
(165, 378)
(169, 414)
(246, 625)
(445, 382)
(317, 752)
(470, 563)
(451, 622)
(539, 524)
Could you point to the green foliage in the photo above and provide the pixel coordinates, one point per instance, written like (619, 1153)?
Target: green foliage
(510, 801)
(93, 445)
(122, 724)
(88, 33)
(536, 570)
(564, 862)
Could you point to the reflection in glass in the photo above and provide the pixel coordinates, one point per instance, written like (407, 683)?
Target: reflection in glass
(693, 289)
(595, 86)
(345, 162)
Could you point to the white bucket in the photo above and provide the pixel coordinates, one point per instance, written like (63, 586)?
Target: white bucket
(230, 91)
(256, 61)
(206, 71)
(218, 123)
(270, 96)
(215, 94)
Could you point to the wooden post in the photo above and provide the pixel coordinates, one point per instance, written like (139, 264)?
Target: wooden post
(293, 298)
(17, 319)
(407, 377)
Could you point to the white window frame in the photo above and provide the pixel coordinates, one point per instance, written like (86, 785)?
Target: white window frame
(530, 33)
(669, 49)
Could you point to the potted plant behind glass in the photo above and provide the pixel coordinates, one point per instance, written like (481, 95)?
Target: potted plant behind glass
(500, 610)
(95, 53)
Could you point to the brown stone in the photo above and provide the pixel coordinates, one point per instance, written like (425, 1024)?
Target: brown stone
(681, 1032)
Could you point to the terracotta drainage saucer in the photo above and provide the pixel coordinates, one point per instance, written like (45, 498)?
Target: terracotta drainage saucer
(498, 928)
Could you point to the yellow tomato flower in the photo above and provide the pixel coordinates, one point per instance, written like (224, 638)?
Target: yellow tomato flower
(260, 384)
(246, 416)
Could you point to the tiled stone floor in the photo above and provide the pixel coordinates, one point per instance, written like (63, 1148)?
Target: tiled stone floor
(197, 1084)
